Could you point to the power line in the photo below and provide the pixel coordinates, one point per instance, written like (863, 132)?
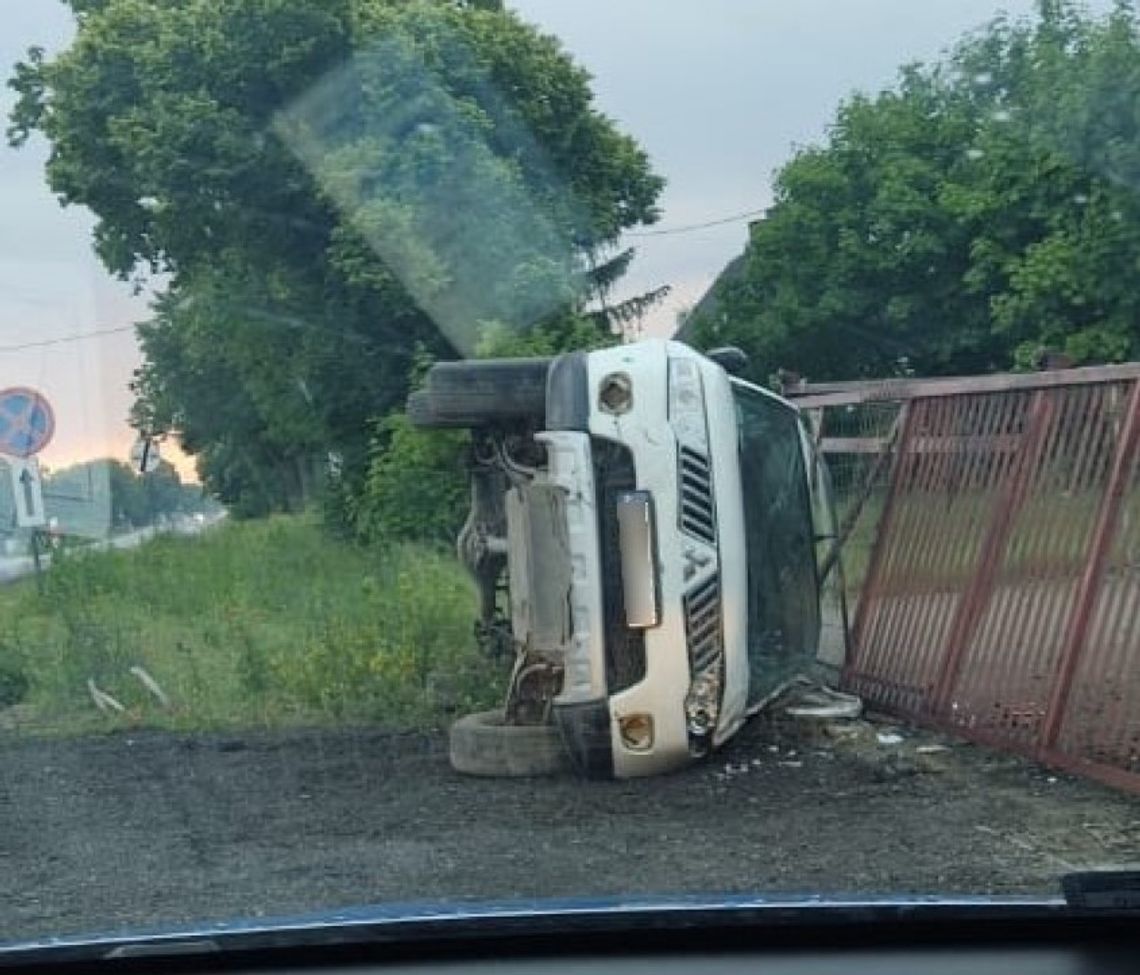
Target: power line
(662, 232)
(686, 228)
(62, 339)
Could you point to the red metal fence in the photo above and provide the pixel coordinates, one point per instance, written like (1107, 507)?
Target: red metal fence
(1000, 594)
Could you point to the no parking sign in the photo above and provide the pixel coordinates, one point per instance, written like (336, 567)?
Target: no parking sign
(27, 422)
(26, 427)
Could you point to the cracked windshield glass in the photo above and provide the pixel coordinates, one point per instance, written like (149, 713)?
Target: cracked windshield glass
(495, 450)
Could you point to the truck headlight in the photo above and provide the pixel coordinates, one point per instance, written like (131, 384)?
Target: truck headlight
(687, 402)
(702, 706)
(615, 395)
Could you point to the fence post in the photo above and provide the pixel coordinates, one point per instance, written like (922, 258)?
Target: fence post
(976, 597)
(1095, 563)
(874, 565)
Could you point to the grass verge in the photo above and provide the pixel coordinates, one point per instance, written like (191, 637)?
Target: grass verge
(252, 624)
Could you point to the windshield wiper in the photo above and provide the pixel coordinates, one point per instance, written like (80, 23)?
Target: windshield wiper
(1099, 890)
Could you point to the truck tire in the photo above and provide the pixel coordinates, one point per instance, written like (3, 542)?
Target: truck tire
(481, 393)
(483, 744)
(421, 412)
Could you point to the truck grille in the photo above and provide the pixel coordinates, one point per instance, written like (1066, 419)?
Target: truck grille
(698, 515)
(702, 624)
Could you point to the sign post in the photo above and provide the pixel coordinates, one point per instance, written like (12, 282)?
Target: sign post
(36, 561)
(27, 424)
(145, 457)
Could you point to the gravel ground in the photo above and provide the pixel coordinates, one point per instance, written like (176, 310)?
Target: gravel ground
(100, 833)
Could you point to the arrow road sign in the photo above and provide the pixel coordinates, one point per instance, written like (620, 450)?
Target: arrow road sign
(28, 482)
(27, 490)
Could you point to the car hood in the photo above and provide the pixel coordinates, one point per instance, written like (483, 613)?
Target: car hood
(439, 922)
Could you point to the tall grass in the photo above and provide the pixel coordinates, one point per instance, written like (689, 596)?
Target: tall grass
(251, 624)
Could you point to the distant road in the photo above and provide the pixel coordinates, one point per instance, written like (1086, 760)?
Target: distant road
(12, 569)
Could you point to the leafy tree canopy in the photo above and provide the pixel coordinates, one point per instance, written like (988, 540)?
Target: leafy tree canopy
(326, 185)
(982, 209)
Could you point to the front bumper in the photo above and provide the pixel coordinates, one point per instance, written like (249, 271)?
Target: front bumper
(587, 712)
(660, 690)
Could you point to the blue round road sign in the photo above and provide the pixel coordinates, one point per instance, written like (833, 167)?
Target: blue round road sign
(26, 422)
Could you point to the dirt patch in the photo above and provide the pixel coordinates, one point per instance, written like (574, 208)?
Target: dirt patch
(99, 833)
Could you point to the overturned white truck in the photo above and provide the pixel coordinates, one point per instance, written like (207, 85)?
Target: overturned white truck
(644, 529)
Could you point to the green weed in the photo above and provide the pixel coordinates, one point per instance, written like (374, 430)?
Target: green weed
(252, 624)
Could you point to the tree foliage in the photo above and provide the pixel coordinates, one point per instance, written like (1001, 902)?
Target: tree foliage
(97, 495)
(324, 186)
(980, 210)
(415, 489)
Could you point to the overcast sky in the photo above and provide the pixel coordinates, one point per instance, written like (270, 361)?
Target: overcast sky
(719, 93)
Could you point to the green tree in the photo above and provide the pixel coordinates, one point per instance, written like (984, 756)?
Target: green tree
(94, 496)
(327, 185)
(982, 209)
(162, 493)
(416, 487)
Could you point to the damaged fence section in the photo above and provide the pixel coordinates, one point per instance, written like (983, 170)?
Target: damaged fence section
(992, 550)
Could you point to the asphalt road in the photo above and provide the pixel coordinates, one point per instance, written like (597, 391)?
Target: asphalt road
(107, 832)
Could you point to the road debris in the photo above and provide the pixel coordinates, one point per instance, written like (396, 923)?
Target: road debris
(804, 698)
(151, 685)
(846, 730)
(103, 701)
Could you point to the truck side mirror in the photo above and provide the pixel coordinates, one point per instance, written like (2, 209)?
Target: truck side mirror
(731, 359)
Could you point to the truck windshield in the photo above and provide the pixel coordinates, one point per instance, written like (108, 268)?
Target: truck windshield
(783, 604)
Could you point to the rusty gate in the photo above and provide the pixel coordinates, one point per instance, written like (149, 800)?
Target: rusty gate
(999, 590)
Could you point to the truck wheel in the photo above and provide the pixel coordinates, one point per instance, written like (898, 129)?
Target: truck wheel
(483, 744)
(481, 393)
(421, 412)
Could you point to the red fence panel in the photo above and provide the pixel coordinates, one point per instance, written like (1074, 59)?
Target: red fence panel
(1093, 715)
(1001, 599)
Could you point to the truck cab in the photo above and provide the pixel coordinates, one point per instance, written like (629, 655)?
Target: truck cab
(656, 539)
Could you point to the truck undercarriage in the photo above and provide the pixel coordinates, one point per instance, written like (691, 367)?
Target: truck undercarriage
(519, 615)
